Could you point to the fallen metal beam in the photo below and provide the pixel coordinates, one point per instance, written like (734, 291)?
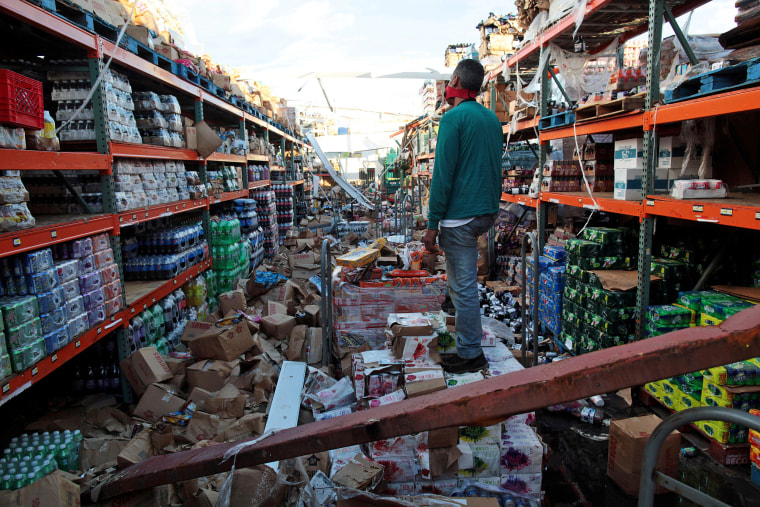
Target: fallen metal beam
(480, 404)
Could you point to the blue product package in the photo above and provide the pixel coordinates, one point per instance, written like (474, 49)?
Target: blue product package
(53, 320)
(56, 339)
(49, 301)
(42, 282)
(78, 325)
(37, 262)
(555, 253)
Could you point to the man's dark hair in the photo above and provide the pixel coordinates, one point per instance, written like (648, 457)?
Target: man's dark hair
(470, 74)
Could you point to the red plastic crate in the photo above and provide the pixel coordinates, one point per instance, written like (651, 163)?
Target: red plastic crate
(21, 103)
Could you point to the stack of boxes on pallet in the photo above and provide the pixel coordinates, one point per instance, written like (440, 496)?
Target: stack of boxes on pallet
(593, 317)
(597, 166)
(507, 455)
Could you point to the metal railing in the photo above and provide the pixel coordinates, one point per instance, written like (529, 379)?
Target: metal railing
(650, 477)
(529, 238)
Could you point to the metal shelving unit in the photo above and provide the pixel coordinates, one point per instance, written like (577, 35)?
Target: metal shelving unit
(99, 156)
(631, 19)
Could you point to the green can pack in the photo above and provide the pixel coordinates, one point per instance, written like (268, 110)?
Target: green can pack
(677, 253)
(593, 263)
(605, 235)
(669, 315)
(573, 271)
(583, 248)
(611, 298)
(693, 299)
(668, 269)
(614, 314)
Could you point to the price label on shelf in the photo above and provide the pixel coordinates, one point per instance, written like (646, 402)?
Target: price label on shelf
(757, 215)
(6, 388)
(16, 241)
(697, 209)
(53, 234)
(726, 212)
(77, 344)
(35, 371)
(54, 358)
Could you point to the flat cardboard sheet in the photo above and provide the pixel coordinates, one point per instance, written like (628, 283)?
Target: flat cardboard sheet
(620, 281)
(749, 293)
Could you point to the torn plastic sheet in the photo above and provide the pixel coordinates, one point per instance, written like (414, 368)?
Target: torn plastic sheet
(579, 14)
(571, 67)
(232, 452)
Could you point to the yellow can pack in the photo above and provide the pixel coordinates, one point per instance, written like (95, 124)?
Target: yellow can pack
(714, 431)
(708, 320)
(693, 314)
(686, 402)
(358, 257)
(654, 388)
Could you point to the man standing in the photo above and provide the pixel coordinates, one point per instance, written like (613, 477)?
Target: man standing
(464, 201)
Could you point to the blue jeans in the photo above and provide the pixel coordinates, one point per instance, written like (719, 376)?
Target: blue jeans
(460, 244)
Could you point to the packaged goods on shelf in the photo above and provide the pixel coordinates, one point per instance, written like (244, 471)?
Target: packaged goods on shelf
(245, 211)
(231, 255)
(162, 325)
(139, 183)
(698, 189)
(70, 89)
(284, 203)
(258, 172)
(158, 118)
(228, 179)
(42, 310)
(162, 251)
(230, 142)
(14, 213)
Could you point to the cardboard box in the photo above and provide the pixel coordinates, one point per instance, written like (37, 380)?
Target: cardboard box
(211, 375)
(303, 259)
(360, 473)
(97, 452)
(158, 400)
(670, 152)
(256, 486)
(416, 348)
(409, 324)
(167, 51)
(521, 452)
(145, 367)
(424, 382)
(628, 437)
(315, 346)
(297, 344)
(628, 183)
(629, 154)
(232, 300)
(313, 315)
(222, 81)
(207, 341)
(54, 490)
(278, 326)
(446, 437)
(191, 138)
(138, 449)
(525, 484)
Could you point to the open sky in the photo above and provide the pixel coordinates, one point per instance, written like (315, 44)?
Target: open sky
(283, 42)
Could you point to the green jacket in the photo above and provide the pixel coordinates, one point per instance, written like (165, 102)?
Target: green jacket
(467, 171)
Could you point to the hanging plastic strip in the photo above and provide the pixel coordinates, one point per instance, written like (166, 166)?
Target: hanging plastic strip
(96, 84)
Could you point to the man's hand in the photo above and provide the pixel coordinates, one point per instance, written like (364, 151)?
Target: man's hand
(429, 240)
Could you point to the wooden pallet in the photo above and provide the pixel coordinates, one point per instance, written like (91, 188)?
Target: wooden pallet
(720, 80)
(724, 454)
(607, 108)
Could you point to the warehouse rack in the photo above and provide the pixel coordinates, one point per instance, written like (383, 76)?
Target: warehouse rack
(50, 230)
(631, 19)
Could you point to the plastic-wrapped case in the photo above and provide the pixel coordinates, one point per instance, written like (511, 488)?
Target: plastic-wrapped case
(81, 248)
(86, 265)
(18, 310)
(92, 281)
(94, 298)
(49, 301)
(96, 315)
(78, 325)
(67, 270)
(42, 282)
(112, 290)
(53, 320)
(113, 306)
(75, 307)
(36, 262)
(20, 336)
(56, 339)
(71, 289)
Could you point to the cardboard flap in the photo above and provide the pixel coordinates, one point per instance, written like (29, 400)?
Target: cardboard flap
(208, 140)
(620, 281)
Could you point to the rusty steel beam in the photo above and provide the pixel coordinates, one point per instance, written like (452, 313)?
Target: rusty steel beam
(481, 403)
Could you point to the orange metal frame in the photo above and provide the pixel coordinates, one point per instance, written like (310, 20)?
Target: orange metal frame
(12, 243)
(132, 217)
(25, 160)
(163, 290)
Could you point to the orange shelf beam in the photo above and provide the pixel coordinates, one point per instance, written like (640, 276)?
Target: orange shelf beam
(252, 157)
(621, 122)
(523, 199)
(228, 196)
(151, 151)
(276, 168)
(42, 19)
(131, 217)
(258, 184)
(736, 211)
(426, 156)
(26, 160)
(604, 201)
(227, 157)
(523, 125)
(737, 101)
(12, 243)
(20, 382)
(144, 302)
